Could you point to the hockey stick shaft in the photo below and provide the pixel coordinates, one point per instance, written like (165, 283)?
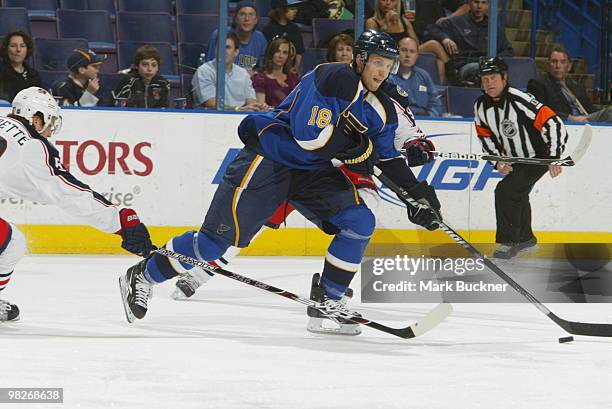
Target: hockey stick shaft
(497, 158)
(573, 327)
(433, 318)
(571, 160)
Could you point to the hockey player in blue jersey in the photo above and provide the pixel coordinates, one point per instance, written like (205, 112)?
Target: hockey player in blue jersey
(394, 111)
(288, 157)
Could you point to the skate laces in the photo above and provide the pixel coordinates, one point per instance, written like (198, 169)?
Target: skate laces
(143, 289)
(336, 308)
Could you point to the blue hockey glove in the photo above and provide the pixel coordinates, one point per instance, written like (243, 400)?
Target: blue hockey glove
(134, 233)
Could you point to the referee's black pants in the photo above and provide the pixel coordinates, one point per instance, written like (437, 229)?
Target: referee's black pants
(512, 208)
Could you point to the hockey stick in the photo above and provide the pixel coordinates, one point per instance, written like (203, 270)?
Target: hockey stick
(570, 160)
(432, 319)
(573, 327)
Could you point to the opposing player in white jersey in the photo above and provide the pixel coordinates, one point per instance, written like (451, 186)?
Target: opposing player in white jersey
(31, 169)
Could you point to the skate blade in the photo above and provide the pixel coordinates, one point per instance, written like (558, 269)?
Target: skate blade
(178, 295)
(315, 325)
(124, 295)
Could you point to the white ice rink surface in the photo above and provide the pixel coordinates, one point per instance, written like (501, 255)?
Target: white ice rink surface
(235, 346)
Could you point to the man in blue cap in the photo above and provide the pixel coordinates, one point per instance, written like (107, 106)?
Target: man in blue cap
(252, 42)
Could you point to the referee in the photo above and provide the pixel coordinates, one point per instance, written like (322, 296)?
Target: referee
(510, 122)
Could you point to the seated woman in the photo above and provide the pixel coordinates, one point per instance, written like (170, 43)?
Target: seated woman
(15, 73)
(276, 80)
(340, 49)
(388, 18)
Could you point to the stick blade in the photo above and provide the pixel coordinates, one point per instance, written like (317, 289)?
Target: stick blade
(583, 328)
(428, 322)
(583, 144)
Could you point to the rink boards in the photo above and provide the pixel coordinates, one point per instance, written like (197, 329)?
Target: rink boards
(167, 166)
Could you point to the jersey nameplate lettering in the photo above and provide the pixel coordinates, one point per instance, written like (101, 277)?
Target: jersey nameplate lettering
(18, 135)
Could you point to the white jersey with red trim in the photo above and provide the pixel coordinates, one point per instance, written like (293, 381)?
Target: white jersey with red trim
(31, 169)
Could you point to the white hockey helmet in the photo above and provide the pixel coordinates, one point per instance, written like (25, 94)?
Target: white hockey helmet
(31, 100)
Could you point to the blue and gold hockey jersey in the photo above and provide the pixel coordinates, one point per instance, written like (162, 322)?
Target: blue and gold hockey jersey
(303, 132)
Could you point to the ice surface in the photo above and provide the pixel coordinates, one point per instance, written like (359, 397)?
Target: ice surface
(234, 346)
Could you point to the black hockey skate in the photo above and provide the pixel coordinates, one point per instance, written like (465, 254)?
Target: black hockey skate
(507, 251)
(189, 282)
(187, 286)
(8, 311)
(135, 291)
(319, 319)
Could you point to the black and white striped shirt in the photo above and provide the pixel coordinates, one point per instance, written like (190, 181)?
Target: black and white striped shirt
(518, 125)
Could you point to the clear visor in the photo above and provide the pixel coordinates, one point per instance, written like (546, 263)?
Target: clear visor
(389, 63)
(55, 124)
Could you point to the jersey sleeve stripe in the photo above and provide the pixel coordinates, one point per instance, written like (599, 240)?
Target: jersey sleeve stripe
(320, 141)
(544, 114)
(483, 132)
(61, 177)
(51, 172)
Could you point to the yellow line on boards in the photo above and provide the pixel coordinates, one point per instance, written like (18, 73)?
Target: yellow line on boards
(69, 239)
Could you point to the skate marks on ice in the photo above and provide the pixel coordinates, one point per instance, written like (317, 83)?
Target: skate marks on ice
(238, 348)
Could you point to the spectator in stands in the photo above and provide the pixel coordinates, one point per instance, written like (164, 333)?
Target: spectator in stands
(465, 39)
(387, 18)
(565, 96)
(239, 92)
(142, 87)
(340, 49)
(424, 99)
(281, 24)
(334, 9)
(82, 87)
(276, 80)
(252, 42)
(434, 12)
(15, 73)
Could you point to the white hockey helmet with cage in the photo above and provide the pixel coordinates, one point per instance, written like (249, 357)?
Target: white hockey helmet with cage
(31, 100)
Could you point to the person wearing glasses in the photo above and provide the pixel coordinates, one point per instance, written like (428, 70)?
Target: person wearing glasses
(252, 42)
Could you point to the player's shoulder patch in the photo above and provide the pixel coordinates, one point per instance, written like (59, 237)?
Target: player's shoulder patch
(401, 91)
(396, 93)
